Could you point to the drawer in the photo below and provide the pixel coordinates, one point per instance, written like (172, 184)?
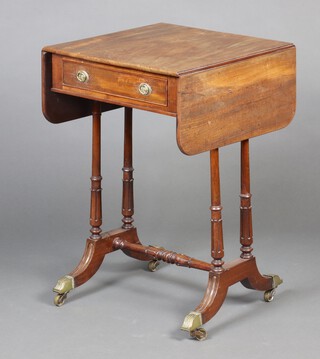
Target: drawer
(94, 80)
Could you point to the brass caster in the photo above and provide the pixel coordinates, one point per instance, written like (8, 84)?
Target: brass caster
(60, 299)
(199, 334)
(62, 288)
(276, 280)
(269, 295)
(153, 265)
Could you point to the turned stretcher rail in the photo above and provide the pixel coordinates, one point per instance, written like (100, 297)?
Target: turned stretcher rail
(162, 254)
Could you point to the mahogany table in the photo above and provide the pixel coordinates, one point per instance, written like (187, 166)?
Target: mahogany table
(221, 88)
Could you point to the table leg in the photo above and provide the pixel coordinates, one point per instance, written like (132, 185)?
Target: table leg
(92, 257)
(254, 280)
(216, 288)
(96, 204)
(244, 269)
(127, 189)
(245, 204)
(99, 244)
(217, 248)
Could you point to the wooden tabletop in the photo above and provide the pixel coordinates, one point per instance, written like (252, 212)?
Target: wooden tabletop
(167, 49)
(222, 88)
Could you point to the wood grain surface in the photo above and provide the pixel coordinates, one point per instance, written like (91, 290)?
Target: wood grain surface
(235, 102)
(222, 88)
(166, 49)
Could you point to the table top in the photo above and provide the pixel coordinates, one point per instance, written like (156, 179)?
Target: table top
(222, 88)
(167, 49)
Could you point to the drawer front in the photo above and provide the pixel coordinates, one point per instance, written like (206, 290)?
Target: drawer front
(103, 79)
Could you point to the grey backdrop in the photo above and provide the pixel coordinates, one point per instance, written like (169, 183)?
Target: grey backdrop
(44, 190)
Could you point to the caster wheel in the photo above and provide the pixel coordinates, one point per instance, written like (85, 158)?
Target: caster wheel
(60, 299)
(153, 265)
(269, 295)
(199, 334)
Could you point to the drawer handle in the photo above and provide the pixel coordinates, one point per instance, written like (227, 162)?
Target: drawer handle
(145, 89)
(82, 76)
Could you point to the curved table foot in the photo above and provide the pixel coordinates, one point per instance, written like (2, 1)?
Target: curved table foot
(212, 301)
(240, 270)
(267, 283)
(257, 281)
(92, 258)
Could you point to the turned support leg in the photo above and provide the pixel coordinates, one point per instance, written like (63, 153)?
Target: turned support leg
(127, 186)
(246, 238)
(91, 259)
(216, 288)
(127, 191)
(99, 244)
(217, 249)
(244, 269)
(254, 280)
(96, 204)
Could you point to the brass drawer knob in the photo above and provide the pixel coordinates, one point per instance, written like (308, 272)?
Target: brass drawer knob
(82, 76)
(145, 89)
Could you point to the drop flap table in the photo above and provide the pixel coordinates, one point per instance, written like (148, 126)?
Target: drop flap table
(221, 88)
